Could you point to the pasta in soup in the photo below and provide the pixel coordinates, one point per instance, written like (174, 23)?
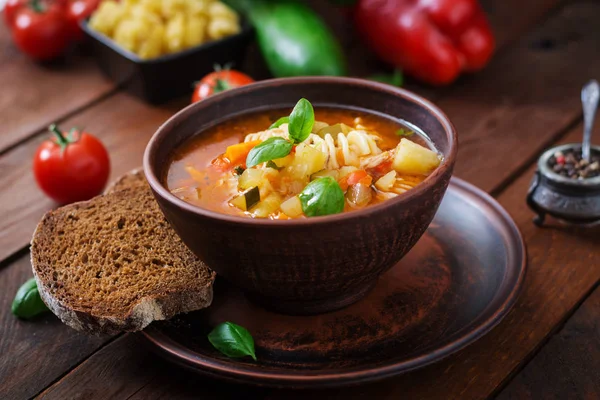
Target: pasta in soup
(305, 164)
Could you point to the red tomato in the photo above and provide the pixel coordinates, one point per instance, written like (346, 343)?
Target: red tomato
(78, 10)
(72, 167)
(10, 11)
(219, 81)
(41, 31)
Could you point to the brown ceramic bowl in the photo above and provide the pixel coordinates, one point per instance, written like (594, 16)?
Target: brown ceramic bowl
(304, 266)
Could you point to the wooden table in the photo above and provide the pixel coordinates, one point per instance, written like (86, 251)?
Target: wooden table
(525, 101)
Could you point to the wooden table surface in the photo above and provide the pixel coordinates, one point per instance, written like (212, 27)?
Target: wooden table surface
(548, 347)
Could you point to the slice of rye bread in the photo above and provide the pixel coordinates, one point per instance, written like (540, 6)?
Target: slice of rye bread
(133, 179)
(114, 263)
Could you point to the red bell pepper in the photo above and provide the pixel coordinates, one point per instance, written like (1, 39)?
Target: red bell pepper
(432, 40)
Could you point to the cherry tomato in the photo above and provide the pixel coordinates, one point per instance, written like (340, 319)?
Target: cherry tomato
(10, 11)
(78, 10)
(219, 81)
(71, 167)
(41, 30)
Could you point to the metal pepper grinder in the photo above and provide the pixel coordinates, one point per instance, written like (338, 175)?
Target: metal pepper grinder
(569, 194)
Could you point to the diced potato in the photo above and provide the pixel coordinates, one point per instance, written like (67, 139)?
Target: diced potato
(307, 161)
(325, 172)
(386, 182)
(251, 177)
(285, 161)
(347, 170)
(292, 207)
(414, 159)
(267, 206)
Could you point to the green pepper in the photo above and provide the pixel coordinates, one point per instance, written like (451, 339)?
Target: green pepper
(293, 39)
(28, 303)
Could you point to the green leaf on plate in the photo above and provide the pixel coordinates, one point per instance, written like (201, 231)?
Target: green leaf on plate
(27, 302)
(232, 340)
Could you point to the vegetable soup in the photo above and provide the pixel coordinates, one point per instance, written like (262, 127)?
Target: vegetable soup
(305, 164)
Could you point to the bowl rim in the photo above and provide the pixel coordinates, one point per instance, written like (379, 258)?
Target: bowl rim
(434, 111)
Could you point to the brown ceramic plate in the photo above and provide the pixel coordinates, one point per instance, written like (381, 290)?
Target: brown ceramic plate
(456, 284)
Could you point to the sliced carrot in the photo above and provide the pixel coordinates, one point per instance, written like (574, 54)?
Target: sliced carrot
(366, 181)
(382, 168)
(221, 163)
(356, 176)
(343, 183)
(237, 153)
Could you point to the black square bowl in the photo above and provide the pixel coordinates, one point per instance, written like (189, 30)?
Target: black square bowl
(163, 78)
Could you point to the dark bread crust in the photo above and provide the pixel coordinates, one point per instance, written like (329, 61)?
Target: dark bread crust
(133, 179)
(114, 264)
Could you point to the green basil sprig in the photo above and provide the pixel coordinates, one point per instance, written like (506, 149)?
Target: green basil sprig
(232, 340)
(302, 120)
(28, 303)
(323, 196)
(270, 149)
(279, 122)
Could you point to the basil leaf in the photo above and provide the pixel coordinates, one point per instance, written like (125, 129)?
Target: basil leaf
(27, 302)
(323, 196)
(232, 340)
(302, 120)
(279, 122)
(395, 79)
(270, 149)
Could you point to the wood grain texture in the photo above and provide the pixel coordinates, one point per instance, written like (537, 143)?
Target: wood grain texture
(568, 367)
(34, 353)
(121, 122)
(34, 95)
(102, 377)
(556, 281)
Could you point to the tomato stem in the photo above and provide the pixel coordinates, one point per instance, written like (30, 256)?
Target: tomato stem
(221, 85)
(61, 140)
(36, 5)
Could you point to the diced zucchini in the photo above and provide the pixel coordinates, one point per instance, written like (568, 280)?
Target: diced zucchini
(292, 207)
(250, 178)
(414, 159)
(247, 199)
(386, 182)
(333, 130)
(318, 125)
(325, 172)
(268, 206)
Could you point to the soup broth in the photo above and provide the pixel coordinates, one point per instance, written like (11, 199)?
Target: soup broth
(365, 158)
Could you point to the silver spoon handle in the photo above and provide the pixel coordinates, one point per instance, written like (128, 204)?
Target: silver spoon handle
(589, 98)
